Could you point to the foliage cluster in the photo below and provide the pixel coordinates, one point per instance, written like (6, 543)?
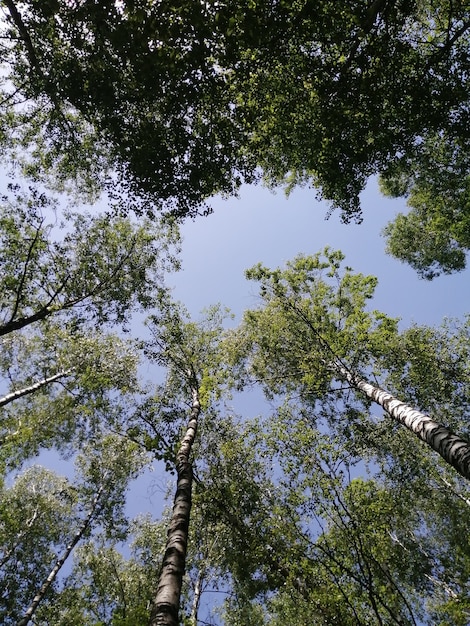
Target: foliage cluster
(319, 510)
(174, 101)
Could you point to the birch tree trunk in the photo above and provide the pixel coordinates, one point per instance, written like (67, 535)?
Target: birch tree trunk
(196, 598)
(452, 448)
(165, 606)
(24, 621)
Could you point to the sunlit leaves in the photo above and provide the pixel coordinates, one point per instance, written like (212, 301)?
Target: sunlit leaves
(314, 314)
(433, 236)
(42, 514)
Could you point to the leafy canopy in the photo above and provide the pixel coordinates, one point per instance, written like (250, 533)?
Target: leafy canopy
(186, 99)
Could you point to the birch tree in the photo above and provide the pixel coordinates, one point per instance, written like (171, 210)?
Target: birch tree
(314, 334)
(36, 512)
(52, 514)
(105, 585)
(309, 539)
(78, 380)
(272, 510)
(63, 275)
(194, 372)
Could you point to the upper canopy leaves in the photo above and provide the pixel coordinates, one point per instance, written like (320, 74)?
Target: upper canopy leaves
(192, 97)
(314, 316)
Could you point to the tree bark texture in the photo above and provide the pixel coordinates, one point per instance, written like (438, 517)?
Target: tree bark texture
(196, 598)
(19, 393)
(165, 607)
(452, 448)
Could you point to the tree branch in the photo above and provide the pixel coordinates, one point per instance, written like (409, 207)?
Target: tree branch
(25, 271)
(23, 31)
(19, 393)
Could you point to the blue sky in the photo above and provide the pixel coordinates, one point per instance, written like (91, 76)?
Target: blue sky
(264, 227)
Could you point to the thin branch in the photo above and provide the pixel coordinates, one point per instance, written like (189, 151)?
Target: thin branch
(6, 557)
(435, 581)
(121, 586)
(43, 312)
(452, 490)
(47, 309)
(13, 94)
(372, 13)
(29, 255)
(448, 44)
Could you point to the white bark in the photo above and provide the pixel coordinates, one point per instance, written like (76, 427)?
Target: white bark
(19, 393)
(165, 606)
(452, 448)
(196, 598)
(24, 621)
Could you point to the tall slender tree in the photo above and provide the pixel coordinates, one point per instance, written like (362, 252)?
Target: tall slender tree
(63, 513)
(194, 372)
(318, 316)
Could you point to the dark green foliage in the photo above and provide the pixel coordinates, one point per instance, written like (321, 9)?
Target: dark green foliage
(435, 178)
(190, 99)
